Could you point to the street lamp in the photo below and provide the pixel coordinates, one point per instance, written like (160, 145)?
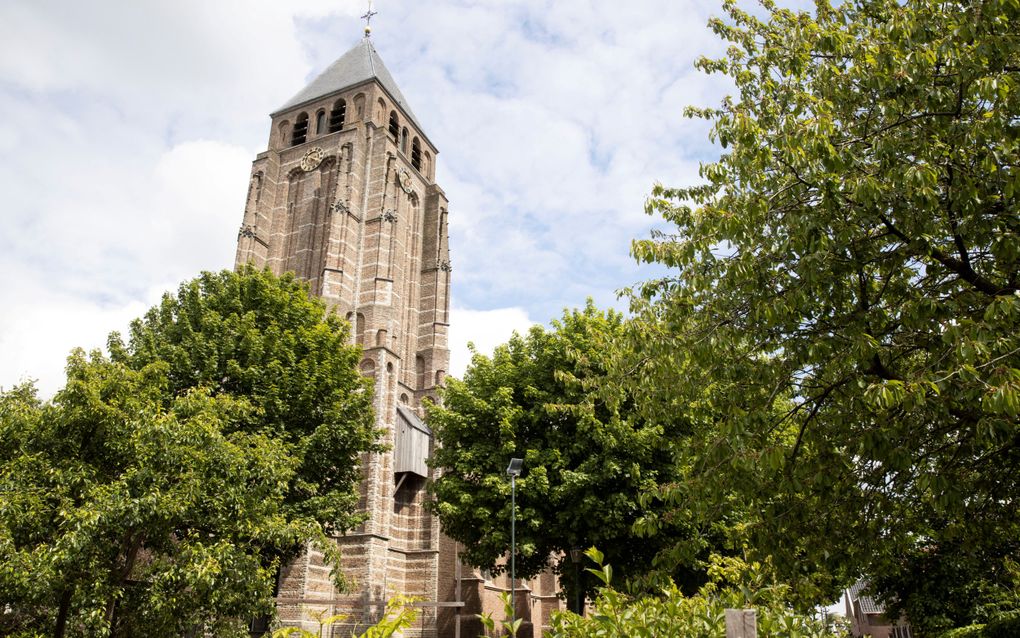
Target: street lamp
(513, 471)
(575, 557)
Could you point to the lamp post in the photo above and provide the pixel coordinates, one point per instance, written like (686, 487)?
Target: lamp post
(513, 471)
(575, 557)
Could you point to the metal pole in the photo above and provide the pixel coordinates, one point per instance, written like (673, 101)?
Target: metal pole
(579, 608)
(513, 548)
(513, 471)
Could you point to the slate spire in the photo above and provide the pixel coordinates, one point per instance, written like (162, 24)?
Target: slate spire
(361, 64)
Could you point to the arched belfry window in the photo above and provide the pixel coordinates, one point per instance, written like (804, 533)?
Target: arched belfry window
(416, 154)
(320, 122)
(394, 126)
(337, 116)
(403, 141)
(300, 130)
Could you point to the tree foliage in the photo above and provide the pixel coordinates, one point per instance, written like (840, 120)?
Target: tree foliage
(733, 584)
(846, 283)
(144, 501)
(585, 464)
(266, 339)
(942, 587)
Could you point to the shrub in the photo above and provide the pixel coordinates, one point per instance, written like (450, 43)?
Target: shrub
(1005, 626)
(617, 615)
(971, 631)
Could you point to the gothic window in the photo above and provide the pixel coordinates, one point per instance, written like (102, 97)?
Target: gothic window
(403, 141)
(300, 130)
(337, 115)
(416, 154)
(320, 122)
(426, 164)
(394, 126)
(284, 132)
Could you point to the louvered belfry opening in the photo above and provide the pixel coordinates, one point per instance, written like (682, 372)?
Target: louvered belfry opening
(416, 154)
(300, 130)
(394, 128)
(337, 116)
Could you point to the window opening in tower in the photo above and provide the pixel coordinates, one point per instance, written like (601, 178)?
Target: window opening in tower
(337, 115)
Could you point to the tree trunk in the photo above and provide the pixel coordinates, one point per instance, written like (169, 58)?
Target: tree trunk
(119, 576)
(62, 611)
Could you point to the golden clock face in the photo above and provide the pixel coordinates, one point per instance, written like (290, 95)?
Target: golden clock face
(312, 158)
(404, 179)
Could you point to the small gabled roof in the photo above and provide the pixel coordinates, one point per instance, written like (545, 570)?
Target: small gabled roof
(868, 604)
(359, 65)
(411, 420)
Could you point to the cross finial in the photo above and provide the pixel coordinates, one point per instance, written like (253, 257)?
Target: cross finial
(368, 19)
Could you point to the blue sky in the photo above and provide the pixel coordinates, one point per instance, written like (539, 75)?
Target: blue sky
(127, 131)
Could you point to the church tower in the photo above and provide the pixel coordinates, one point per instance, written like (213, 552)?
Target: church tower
(345, 197)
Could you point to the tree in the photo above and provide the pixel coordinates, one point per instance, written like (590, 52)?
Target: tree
(846, 281)
(943, 586)
(266, 339)
(144, 501)
(586, 464)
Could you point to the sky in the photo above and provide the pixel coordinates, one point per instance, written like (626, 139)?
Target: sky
(127, 132)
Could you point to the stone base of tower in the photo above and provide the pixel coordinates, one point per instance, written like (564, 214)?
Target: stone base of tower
(307, 594)
(449, 597)
(535, 601)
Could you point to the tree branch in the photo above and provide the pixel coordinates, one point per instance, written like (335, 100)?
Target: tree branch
(803, 426)
(962, 269)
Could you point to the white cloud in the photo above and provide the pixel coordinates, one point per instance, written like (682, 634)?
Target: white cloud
(127, 132)
(36, 339)
(486, 329)
(101, 253)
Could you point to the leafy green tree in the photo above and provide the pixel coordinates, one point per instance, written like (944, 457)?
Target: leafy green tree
(586, 464)
(253, 335)
(846, 285)
(142, 501)
(123, 517)
(942, 590)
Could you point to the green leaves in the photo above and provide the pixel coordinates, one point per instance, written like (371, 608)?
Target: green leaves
(162, 488)
(588, 454)
(734, 584)
(845, 283)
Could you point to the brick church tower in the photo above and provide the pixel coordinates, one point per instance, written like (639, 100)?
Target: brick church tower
(345, 198)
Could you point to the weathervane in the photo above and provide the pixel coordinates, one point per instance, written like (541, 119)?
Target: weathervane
(368, 19)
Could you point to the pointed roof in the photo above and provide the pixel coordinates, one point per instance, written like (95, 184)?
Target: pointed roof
(357, 66)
